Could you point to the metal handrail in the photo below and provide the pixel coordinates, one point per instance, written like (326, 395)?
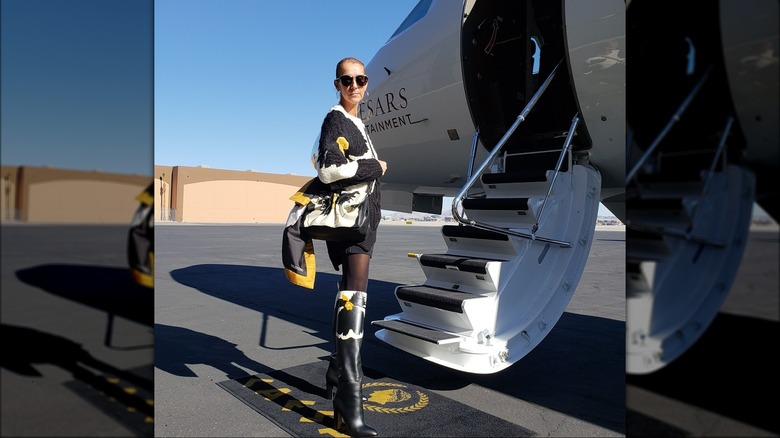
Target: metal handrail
(473, 156)
(674, 119)
(566, 145)
(677, 234)
(718, 154)
(458, 199)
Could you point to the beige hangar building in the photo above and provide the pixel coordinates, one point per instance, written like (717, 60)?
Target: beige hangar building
(181, 194)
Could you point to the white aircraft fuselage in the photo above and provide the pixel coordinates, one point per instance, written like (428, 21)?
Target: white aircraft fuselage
(468, 65)
(517, 110)
(520, 112)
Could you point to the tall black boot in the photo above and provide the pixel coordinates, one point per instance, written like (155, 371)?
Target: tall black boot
(347, 401)
(332, 378)
(332, 374)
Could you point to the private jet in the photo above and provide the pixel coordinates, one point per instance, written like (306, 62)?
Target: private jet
(703, 150)
(516, 110)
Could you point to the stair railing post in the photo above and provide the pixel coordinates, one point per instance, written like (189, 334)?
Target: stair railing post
(458, 199)
(674, 119)
(718, 154)
(473, 156)
(566, 147)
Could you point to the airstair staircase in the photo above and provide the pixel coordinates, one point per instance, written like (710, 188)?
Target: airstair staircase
(689, 212)
(512, 263)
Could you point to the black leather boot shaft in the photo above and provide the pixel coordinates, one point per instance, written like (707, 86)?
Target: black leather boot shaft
(348, 403)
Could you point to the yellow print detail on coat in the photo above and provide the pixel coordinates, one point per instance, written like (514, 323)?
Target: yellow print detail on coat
(343, 145)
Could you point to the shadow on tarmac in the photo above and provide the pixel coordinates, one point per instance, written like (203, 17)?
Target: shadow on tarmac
(724, 372)
(578, 369)
(26, 347)
(111, 290)
(177, 347)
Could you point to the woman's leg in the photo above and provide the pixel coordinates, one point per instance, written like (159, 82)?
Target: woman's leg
(355, 275)
(350, 316)
(354, 269)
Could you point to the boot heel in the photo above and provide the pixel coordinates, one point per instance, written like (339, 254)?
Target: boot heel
(331, 376)
(348, 411)
(338, 420)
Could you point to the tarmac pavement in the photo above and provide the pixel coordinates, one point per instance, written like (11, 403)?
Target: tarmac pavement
(77, 334)
(224, 310)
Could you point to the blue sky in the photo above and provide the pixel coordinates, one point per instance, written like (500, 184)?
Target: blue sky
(245, 84)
(122, 85)
(77, 84)
(232, 84)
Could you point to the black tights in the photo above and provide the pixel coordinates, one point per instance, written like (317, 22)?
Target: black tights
(355, 272)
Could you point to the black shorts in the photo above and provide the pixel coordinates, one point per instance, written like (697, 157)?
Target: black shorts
(338, 251)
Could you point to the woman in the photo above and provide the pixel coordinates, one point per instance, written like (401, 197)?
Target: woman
(346, 157)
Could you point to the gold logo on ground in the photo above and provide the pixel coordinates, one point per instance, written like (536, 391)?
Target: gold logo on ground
(392, 398)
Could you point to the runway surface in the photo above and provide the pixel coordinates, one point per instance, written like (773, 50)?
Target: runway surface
(77, 334)
(712, 389)
(225, 310)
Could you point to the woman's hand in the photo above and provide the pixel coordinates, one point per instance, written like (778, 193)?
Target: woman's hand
(384, 166)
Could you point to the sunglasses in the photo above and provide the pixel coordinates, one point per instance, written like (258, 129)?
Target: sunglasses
(346, 80)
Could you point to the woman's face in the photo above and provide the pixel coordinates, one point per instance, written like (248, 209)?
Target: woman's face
(353, 93)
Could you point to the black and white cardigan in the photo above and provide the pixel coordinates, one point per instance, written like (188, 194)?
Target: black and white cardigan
(346, 157)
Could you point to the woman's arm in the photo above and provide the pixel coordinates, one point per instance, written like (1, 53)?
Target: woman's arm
(340, 143)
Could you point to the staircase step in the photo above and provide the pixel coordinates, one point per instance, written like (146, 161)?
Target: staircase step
(477, 242)
(515, 162)
(664, 186)
(524, 176)
(659, 212)
(662, 178)
(528, 183)
(680, 165)
(453, 271)
(418, 332)
(518, 204)
(502, 212)
(444, 299)
(455, 262)
(464, 231)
